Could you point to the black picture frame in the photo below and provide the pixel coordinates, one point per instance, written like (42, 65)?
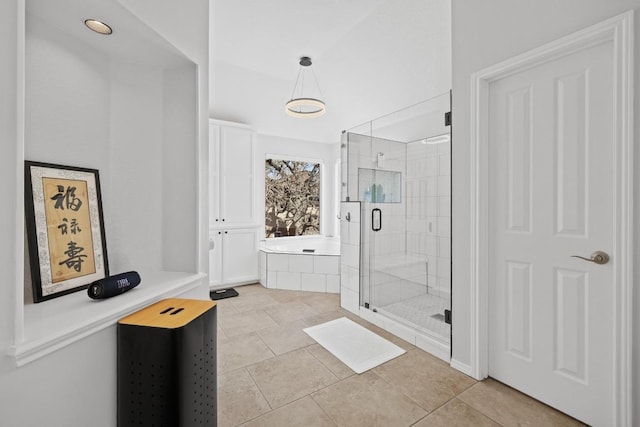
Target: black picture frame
(65, 229)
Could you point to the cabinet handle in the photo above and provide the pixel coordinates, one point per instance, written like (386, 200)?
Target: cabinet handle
(219, 232)
(216, 219)
(223, 219)
(225, 232)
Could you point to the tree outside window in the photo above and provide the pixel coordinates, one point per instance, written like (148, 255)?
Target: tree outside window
(292, 198)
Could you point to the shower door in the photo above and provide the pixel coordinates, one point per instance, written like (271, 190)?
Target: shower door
(407, 218)
(384, 227)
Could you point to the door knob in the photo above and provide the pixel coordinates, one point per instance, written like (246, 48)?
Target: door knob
(597, 257)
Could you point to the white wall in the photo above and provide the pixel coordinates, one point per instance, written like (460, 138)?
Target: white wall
(76, 385)
(136, 135)
(108, 131)
(186, 26)
(303, 150)
(485, 33)
(10, 85)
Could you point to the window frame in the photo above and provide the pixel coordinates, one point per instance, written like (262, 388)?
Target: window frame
(323, 190)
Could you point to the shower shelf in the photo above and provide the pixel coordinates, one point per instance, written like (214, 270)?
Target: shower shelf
(379, 186)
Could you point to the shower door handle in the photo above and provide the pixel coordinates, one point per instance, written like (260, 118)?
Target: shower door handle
(376, 219)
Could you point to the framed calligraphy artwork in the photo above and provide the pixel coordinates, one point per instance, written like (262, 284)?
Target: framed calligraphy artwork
(65, 229)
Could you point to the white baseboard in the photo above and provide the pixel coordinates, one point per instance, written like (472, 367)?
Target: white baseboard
(462, 367)
(433, 346)
(218, 286)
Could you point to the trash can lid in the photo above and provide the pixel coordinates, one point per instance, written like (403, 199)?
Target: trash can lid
(169, 313)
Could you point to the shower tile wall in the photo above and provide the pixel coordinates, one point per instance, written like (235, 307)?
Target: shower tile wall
(350, 256)
(362, 153)
(429, 211)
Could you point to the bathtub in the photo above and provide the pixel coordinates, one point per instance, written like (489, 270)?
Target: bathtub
(305, 263)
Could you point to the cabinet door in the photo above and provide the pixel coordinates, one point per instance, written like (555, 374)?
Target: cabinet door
(215, 259)
(240, 258)
(214, 175)
(236, 168)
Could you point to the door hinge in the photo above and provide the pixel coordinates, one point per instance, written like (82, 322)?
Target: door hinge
(447, 118)
(447, 317)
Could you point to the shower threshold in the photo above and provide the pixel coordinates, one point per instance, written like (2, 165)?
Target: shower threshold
(424, 313)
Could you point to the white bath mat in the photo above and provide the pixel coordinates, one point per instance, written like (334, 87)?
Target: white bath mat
(357, 347)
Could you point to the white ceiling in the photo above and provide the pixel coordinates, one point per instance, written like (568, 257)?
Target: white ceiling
(371, 57)
(130, 42)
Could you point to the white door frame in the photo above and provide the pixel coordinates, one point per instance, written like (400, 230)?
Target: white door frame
(619, 30)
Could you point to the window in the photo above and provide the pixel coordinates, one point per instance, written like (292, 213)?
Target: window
(292, 198)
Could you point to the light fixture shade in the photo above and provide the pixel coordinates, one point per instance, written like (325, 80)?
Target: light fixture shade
(305, 107)
(301, 105)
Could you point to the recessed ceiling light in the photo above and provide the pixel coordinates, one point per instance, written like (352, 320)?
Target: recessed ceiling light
(98, 27)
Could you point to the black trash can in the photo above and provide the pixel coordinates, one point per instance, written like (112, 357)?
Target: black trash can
(167, 365)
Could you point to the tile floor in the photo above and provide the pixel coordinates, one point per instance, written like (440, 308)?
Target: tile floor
(270, 373)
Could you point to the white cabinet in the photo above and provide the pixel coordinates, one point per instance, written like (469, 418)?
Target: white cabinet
(232, 205)
(215, 259)
(233, 258)
(232, 195)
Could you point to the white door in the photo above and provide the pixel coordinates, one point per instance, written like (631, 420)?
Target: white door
(551, 169)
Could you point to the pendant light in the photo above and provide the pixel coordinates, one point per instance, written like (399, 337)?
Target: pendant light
(304, 106)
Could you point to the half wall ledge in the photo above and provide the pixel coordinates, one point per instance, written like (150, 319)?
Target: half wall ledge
(54, 324)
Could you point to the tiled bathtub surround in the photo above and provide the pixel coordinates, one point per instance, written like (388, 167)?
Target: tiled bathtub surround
(300, 272)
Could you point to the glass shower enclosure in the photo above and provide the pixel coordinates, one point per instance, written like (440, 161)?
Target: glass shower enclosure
(399, 168)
